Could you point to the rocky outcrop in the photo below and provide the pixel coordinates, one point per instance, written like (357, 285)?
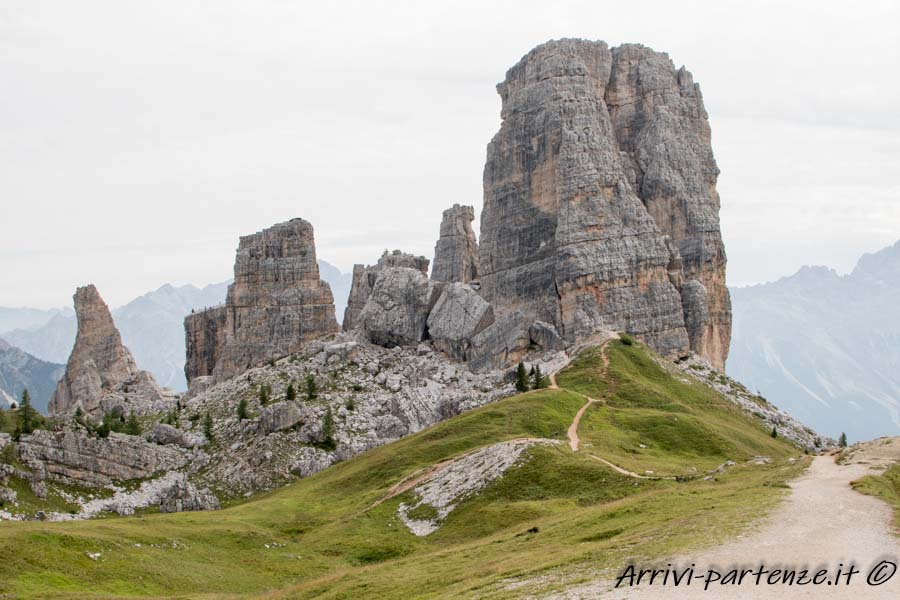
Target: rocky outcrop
(503, 343)
(599, 199)
(101, 374)
(72, 456)
(182, 496)
(276, 304)
(364, 279)
(456, 251)
(204, 334)
(459, 315)
(396, 312)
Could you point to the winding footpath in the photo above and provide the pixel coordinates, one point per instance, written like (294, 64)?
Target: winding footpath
(823, 524)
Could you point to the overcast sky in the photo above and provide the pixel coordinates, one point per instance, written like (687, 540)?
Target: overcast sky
(139, 139)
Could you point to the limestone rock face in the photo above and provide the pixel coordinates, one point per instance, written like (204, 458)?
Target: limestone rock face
(101, 373)
(599, 198)
(204, 339)
(397, 309)
(503, 343)
(276, 304)
(456, 251)
(183, 496)
(364, 279)
(459, 315)
(75, 457)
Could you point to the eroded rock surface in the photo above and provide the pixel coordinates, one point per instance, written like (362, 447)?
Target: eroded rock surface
(101, 373)
(276, 304)
(365, 277)
(459, 315)
(456, 251)
(600, 199)
(72, 456)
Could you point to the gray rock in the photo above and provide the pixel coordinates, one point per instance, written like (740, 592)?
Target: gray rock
(459, 315)
(280, 416)
(8, 496)
(101, 373)
(600, 187)
(276, 305)
(545, 335)
(456, 251)
(74, 457)
(183, 496)
(397, 310)
(364, 279)
(164, 434)
(504, 343)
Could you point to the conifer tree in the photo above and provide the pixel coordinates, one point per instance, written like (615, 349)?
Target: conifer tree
(843, 441)
(27, 414)
(774, 433)
(132, 427)
(312, 391)
(538, 378)
(291, 393)
(207, 426)
(521, 378)
(242, 409)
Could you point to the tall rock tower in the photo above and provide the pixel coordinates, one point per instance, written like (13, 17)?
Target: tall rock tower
(101, 374)
(600, 202)
(276, 304)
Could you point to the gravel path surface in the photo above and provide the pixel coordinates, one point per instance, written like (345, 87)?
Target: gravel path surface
(822, 524)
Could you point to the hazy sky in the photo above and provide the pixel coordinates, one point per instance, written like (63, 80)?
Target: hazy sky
(138, 140)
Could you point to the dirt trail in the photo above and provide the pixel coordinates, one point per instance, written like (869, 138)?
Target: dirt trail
(573, 428)
(822, 524)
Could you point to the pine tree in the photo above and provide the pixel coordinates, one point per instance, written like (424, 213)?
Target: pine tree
(521, 378)
(291, 393)
(207, 426)
(774, 433)
(242, 409)
(843, 441)
(328, 429)
(263, 394)
(538, 378)
(132, 427)
(312, 391)
(27, 414)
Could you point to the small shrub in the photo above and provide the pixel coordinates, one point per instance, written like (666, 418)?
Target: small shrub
(132, 427)
(350, 404)
(242, 409)
(328, 429)
(263, 394)
(626, 339)
(774, 433)
(291, 393)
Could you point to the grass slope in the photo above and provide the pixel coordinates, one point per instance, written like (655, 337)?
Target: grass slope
(557, 513)
(885, 486)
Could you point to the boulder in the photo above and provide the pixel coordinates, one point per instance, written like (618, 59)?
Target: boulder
(280, 416)
(397, 311)
(503, 343)
(459, 315)
(545, 335)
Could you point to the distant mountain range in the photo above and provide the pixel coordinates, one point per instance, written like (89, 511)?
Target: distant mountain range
(825, 347)
(20, 370)
(152, 326)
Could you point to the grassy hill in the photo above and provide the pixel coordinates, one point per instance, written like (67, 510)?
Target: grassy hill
(557, 514)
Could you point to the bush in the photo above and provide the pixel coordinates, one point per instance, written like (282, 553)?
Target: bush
(132, 427)
(291, 393)
(843, 440)
(626, 339)
(263, 394)
(350, 404)
(328, 430)
(774, 433)
(242, 409)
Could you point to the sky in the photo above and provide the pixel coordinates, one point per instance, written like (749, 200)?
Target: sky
(139, 140)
